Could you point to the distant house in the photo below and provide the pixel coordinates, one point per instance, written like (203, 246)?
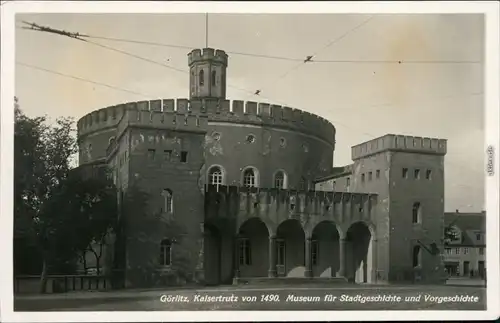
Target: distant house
(466, 254)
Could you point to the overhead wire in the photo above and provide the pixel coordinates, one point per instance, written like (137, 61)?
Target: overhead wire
(80, 37)
(46, 70)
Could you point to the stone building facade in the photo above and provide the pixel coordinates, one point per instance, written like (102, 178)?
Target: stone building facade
(465, 256)
(253, 190)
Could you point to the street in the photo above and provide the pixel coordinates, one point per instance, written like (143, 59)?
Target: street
(357, 297)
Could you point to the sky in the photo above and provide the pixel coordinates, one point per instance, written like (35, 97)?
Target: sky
(437, 90)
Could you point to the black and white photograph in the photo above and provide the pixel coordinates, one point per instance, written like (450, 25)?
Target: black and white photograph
(249, 161)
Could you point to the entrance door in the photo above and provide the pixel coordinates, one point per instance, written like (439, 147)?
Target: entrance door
(466, 269)
(281, 257)
(481, 268)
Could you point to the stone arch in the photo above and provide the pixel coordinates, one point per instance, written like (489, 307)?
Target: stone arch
(280, 173)
(222, 171)
(252, 248)
(325, 249)
(246, 171)
(290, 244)
(359, 244)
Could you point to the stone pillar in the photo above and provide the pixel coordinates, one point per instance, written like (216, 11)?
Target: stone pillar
(272, 257)
(236, 257)
(308, 272)
(342, 257)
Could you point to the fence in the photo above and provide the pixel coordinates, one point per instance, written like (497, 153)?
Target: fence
(61, 283)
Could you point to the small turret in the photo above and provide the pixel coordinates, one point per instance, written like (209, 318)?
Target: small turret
(207, 73)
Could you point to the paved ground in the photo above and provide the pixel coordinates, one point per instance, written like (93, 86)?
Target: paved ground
(259, 298)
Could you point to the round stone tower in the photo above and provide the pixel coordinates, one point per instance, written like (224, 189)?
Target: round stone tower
(207, 70)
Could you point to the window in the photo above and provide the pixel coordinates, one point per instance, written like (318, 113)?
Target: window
(363, 178)
(416, 212)
(416, 174)
(215, 176)
(302, 184)
(377, 173)
(249, 178)
(405, 172)
(478, 236)
(214, 78)
(202, 78)
(279, 180)
(428, 174)
(481, 251)
(111, 140)
(168, 201)
(250, 139)
(457, 251)
(166, 253)
(333, 184)
(370, 176)
(347, 182)
(167, 154)
(280, 252)
(448, 251)
(314, 252)
(466, 251)
(245, 252)
(184, 156)
(151, 154)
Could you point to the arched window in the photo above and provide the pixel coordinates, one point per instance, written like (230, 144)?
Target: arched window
(215, 176)
(214, 77)
(202, 77)
(168, 197)
(249, 178)
(416, 212)
(280, 180)
(166, 252)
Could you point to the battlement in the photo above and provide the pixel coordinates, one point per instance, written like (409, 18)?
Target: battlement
(197, 55)
(411, 144)
(258, 201)
(161, 112)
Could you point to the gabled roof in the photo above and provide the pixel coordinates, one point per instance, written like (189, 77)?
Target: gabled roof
(469, 224)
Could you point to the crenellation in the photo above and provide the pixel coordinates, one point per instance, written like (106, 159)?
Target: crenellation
(196, 106)
(297, 116)
(264, 110)
(224, 107)
(287, 113)
(251, 108)
(168, 105)
(238, 108)
(155, 105)
(182, 106)
(399, 143)
(143, 105)
(216, 110)
(276, 111)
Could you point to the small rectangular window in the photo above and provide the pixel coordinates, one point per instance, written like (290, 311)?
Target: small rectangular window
(417, 173)
(362, 177)
(481, 251)
(478, 236)
(377, 173)
(370, 176)
(184, 156)
(151, 154)
(428, 174)
(348, 182)
(405, 173)
(167, 154)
